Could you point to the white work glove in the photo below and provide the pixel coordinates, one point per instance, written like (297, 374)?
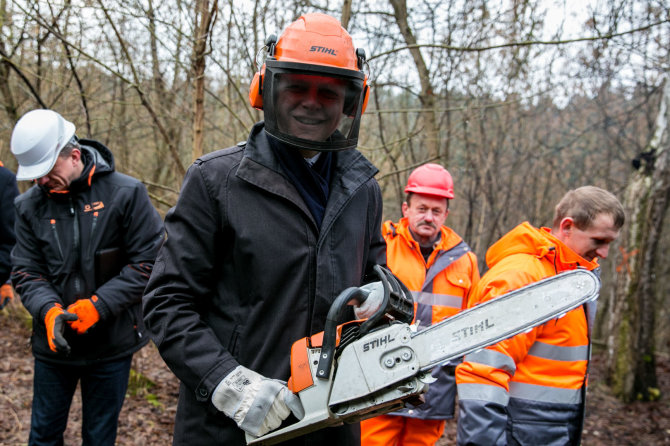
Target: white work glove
(372, 303)
(256, 403)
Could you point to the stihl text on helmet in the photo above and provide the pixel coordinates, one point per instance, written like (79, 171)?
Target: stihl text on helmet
(323, 49)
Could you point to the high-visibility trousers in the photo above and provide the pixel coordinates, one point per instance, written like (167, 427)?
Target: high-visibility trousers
(392, 430)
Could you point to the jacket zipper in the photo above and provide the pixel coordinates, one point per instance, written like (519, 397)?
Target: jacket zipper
(95, 221)
(77, 281)
(75, 226)
(55, 232)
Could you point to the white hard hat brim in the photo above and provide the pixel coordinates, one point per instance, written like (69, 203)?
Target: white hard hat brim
(40, 169)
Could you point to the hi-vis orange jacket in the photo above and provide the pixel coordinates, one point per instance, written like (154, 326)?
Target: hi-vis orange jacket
(440, 288)
(528, 389)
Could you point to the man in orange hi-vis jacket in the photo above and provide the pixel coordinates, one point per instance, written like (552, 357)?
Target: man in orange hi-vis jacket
(440, 270)
(530, 389)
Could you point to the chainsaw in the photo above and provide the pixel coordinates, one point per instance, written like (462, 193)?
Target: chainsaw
(364, 368)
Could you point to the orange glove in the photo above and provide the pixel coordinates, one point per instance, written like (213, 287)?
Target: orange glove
(6, 294)
(87, 313)
(54, 321)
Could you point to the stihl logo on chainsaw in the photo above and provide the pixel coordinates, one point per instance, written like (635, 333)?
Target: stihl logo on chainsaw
(379, 342)
(472, 330)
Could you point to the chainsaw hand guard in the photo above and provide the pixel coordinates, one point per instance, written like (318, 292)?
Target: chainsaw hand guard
(397, 305)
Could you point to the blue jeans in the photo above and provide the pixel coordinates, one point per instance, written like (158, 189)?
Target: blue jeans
(103, 389)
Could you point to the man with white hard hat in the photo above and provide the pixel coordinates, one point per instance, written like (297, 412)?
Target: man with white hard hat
(86, 239)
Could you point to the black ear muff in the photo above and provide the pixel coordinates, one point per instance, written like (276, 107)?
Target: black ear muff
(256, 90)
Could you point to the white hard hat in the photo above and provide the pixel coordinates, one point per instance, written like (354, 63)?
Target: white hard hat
(37, 139)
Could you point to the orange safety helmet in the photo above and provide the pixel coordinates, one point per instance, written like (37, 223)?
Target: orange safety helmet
(314, 45)
(431, 179)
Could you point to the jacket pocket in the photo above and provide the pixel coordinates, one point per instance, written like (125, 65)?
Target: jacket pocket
(534, 433)
(460, 280)
(234, 343)
(450, 298)
(56, 238)
(137, 325)
(51, 245)
(108, 264)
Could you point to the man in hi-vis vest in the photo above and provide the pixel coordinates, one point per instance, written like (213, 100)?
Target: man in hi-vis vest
(440, 270)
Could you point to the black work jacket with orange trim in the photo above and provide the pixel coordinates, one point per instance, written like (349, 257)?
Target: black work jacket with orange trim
(8, 191)
(528, 389)
(100, 237)
(245, 271)
(441, 287)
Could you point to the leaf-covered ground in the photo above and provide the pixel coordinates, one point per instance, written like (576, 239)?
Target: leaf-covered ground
(148, 413)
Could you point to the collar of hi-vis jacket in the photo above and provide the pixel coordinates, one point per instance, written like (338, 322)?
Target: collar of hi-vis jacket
(448, 238)
(450, 243)
(538, 242)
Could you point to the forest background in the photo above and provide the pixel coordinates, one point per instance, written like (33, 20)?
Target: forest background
(520, 100)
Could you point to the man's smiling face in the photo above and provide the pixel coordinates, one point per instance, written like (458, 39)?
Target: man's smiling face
(309, 107)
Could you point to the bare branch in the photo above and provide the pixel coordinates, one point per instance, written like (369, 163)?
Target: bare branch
(516, 44)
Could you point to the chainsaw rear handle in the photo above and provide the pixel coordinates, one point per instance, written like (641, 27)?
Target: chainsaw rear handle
(397, 304)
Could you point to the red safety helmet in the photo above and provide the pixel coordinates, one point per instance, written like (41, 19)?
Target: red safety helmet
(314, 45)
(431, 179)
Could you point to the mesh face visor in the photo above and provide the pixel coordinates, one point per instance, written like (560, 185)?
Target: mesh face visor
(311, 106)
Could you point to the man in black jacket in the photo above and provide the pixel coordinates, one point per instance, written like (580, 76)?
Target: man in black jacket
(8, 191)
(86, 239)
(263, 238)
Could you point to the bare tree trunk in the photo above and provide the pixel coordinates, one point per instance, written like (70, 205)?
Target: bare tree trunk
(136, 83)
(204, 20)
(630, 344)
(9, 102)
(427, 95)
(346, 13)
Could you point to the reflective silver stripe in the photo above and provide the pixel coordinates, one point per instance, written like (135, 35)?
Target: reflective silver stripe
(483, 392)
(443, 300)
(545, 394)
(493, 359)
(558, 353)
